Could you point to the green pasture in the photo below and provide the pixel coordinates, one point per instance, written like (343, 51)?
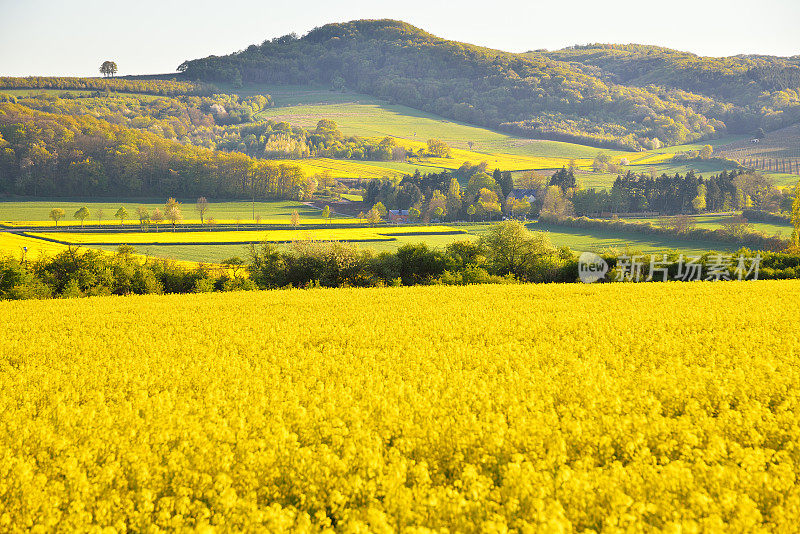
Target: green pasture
(596, 240)
(714, 222)
(39, 210)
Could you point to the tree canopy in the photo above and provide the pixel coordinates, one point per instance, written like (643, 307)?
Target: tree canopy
(108, 69)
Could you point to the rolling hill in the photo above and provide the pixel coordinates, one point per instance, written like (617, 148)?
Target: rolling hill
(581, 97)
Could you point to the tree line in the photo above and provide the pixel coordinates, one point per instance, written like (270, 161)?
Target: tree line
(487, 196)
(199, 120)
(171, 212)
(439, 196)
(689, 193)
(727, 191)
(275, 140)
(152, 86)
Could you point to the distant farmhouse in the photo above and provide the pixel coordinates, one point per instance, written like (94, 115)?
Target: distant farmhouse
(397, 215)
(524, 194)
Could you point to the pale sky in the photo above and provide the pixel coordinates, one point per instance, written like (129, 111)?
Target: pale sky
(72, 38)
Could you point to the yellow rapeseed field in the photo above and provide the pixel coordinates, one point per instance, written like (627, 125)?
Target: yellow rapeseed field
(505, 162)
(341, 168)
(553, 408)
(14, 245)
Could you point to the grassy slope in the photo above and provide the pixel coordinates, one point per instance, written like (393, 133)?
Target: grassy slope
(369, 117)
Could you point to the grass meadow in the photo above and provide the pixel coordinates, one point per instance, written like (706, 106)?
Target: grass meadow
(38, 210)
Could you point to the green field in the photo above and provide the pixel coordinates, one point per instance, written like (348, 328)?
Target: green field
(714, 222)
(596, 240)
(39, 210)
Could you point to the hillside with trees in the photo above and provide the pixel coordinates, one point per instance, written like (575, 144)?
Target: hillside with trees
(585, 98)
(531, 96)
(751, 91)
(55, 154)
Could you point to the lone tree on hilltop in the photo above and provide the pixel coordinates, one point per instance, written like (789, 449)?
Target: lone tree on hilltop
(108, 68)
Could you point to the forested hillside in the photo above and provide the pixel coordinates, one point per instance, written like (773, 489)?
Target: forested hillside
(764, 90)
(56, 154)
(630, 96)
(533, 96)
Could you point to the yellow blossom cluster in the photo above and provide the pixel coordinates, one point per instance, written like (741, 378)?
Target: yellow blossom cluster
(537, 408)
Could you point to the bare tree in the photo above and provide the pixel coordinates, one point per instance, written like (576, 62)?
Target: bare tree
(172, 212)
(202, 208)
(157, 217)
(144, 217)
